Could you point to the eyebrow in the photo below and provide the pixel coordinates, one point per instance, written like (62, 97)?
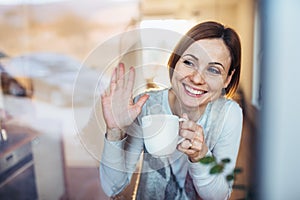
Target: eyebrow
(191, 56)
(217, 63)
(211, 63)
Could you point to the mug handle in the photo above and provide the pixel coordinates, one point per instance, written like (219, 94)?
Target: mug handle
(181, 139)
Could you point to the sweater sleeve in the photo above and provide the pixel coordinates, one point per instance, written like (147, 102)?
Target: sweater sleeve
(113, 176)
(216, 186)
(119, 159)
(118, 163)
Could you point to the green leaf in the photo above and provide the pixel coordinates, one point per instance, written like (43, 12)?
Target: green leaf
(207, 160)
(230, 177)
(216, 169)
(237, 170)
(226, 160)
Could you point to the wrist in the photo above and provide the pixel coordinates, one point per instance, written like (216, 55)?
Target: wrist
(115, 134)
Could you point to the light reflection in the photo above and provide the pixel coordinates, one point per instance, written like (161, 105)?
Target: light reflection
(20, 2)
(35, 2)
(155, 60)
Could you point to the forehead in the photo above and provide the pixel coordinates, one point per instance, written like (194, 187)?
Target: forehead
(210, 50)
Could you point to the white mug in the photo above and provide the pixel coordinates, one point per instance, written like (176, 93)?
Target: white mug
(160, 132)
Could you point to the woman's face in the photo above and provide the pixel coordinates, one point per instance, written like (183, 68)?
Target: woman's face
(201, 73)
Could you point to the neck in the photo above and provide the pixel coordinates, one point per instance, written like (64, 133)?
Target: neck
(178, 108)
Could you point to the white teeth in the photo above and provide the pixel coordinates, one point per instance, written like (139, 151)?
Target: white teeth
(191, 90)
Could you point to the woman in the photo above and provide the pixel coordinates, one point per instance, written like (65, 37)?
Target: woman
(204, 72)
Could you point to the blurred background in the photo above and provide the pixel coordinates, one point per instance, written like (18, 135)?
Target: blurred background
(56, 58)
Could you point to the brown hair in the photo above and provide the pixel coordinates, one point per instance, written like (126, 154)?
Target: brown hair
(209, 30)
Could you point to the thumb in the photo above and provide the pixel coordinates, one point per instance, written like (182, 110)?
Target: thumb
(185, 116)
(142, 100)
(139, 104)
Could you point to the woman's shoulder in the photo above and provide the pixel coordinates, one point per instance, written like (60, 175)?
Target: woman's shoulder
(227, 113)
(226, 106)
(233, 106)
(232, 110)
(227, 103)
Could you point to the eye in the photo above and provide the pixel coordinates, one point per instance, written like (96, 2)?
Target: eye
(214, 70)
(188, 63)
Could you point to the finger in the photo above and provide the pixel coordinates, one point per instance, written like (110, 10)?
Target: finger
(185, 116)
(113, 81)
(189, 125)
(191, 130)
(185, 144)
(191, 153)
(102, 96)
(142, 100)
(131, 79)
(199, 133)
(137, 107)
(195, 128)
(186, 122)
(105, 92)
(196, 145)
(187, 150)
(187, 134)
(120, 75)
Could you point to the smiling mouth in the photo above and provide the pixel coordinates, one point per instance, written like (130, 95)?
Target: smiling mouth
(193, 91)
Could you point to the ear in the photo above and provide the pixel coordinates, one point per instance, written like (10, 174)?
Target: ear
(228, 79)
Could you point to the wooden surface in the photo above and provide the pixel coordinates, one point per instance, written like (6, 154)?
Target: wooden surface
(14, 130)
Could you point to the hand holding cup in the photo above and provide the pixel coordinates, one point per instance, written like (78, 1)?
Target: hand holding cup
(193, 145)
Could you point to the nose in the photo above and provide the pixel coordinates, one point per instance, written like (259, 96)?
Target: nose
(197, 77)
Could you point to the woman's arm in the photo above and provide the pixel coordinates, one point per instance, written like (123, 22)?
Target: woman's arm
(121, 150)
(113, 176)
(216, 186)
(118, 163)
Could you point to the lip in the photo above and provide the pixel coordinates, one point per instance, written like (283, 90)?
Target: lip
(193, 92)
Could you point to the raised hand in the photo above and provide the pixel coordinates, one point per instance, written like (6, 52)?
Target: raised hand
(119, 110)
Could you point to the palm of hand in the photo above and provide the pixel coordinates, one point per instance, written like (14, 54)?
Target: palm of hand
(117, 104)
(118, 109)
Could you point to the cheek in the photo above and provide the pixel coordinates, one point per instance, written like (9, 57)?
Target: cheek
(176, 80)
(180, 72)
(215, 85)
